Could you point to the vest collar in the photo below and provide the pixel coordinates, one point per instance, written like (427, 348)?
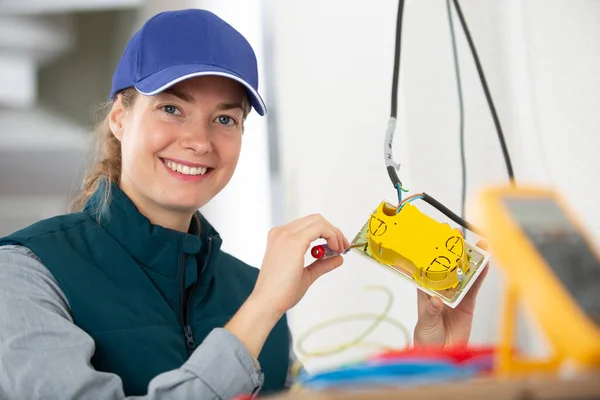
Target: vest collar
(153, 246)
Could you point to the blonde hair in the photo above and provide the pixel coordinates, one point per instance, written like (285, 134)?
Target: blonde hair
(106, 167)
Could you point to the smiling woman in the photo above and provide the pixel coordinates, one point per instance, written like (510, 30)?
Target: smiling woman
(130, 294)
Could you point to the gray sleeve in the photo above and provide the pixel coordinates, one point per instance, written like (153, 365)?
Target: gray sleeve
(43, 354)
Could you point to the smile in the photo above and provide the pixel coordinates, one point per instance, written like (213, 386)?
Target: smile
(185, 169)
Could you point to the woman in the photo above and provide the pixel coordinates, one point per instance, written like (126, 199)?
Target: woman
(130, 294)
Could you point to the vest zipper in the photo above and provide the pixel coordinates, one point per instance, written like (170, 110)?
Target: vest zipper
(187, 329)
(186, 296)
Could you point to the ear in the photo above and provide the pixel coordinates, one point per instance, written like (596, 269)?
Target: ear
(116, 117)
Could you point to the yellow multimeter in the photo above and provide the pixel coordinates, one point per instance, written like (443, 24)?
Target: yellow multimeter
(551, 267)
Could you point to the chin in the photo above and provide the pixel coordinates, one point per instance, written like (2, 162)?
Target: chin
(184, 202)
(187, 206)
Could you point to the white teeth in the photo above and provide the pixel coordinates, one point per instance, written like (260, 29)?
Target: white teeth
(185, 169)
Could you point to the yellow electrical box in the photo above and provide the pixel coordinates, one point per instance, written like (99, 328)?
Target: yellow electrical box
(433, 253)
(429, 254)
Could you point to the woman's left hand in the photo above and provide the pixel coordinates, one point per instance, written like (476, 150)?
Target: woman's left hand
(439, 325)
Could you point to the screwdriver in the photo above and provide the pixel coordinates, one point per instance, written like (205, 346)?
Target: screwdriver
(323, 252)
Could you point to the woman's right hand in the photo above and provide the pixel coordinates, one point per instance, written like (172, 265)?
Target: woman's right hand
(283, 279)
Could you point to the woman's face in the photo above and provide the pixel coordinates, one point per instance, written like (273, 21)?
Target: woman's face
(180, 147)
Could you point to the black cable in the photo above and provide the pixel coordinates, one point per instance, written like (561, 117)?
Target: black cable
(391, 170)
(486, 90)
(393, 176)
(394, 113)
(444, 210)
(463, 158)
(396, 75)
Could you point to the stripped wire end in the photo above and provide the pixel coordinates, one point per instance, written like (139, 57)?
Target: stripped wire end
(408, 200)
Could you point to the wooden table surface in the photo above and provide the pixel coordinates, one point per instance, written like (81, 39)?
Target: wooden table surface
(582, 386)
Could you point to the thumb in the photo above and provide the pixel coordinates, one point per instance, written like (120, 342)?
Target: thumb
(321, 267)
(483, 244)
(436, 306)
(431, 313)
(430, 328)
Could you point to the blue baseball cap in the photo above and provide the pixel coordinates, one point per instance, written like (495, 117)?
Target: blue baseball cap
(176, 45)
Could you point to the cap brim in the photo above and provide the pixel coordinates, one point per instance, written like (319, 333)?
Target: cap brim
(168, 77)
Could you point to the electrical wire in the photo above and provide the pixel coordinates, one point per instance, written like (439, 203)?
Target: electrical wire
(463, 158)
(391, 166)
(400, 189)
(404, 373)
(440, 207)
(486, 90)
(359, 340)
(396, 73)
(295, 369)
(408, 200)
(378, 320)
(444, 210)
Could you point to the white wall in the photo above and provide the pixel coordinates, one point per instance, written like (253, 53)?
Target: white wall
(334, 67)
(563, 43)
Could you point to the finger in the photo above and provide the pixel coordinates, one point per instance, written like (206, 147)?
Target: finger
(483, 244)
(472, 294)
(430, 312)
(422, 300)
(343, 243)
(346, 243)
(302, 223)
(436, 306)
(337, 243)
(322, 267)
(478, 282)
(340, 238)
(306, 230)
(318, 230)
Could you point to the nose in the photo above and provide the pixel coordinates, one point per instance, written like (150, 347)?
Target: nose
(197, 139)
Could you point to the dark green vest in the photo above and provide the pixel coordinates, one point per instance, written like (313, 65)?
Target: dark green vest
(147, 295)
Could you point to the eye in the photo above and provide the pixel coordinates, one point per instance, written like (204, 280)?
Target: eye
(225, 120)
(170, 109)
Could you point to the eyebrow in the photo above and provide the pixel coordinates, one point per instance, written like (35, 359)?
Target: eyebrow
(190, 99)
(183, 96)
(230, 106)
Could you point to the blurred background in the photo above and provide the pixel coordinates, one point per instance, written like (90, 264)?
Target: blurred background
(326, 74)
